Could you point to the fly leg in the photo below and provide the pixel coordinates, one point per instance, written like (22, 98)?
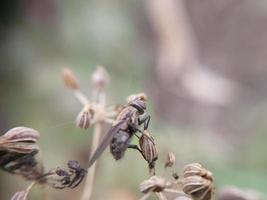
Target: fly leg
(145, 120)
(134, 146)
(134, 129)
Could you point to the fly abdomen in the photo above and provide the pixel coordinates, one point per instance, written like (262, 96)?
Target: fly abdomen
(119, 144)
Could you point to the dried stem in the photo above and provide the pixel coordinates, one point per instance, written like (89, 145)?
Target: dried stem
(88, 187)
(30, 187)
(81, 97)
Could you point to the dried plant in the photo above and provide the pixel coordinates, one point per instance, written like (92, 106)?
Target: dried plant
(17, 152)
(94, 112)
(196, 184)
(60, 178)
(18, 147)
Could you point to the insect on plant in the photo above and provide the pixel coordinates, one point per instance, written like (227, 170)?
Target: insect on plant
(126, 125)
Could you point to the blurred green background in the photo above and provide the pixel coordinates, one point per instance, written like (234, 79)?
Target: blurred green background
(164, 52)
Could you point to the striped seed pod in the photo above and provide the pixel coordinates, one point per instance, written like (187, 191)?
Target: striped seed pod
(148, 147)
(20, 140)
(84, 118)
(198, 187)
(195, 169)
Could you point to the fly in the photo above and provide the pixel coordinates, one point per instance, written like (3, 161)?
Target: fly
(124, 128)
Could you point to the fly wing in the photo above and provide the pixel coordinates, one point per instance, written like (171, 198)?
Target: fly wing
(105, 142)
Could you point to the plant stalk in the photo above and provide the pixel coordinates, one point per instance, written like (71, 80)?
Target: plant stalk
(89, 182)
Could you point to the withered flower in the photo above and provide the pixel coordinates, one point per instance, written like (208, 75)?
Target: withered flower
(198, 182)
(100, 78)
(170, 160)
(70, 79)
(17, 152)
(60, 178)
(20, 140)
(153, 184)
(148, 147)
(195, 169)
(198, 187)
(84, 118)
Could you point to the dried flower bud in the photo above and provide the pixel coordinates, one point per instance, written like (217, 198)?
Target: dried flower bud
(170, 160)
(148, 148)
(100, 78)
(84, 118)
(198, 187)
(17, 152)
(60, 178)
(21, 164)
(70, 79)
(153, 184)
(20, 139)
(195, 169)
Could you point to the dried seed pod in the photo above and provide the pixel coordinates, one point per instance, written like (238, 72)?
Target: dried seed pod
(198, 187)
(170, 160)
(70, 79)
(20, 139)
(21, 164)
(60, 178)
(17, 152)
(153, 184)
(195, 169)
(100, 78)
(148, 147)
(84, 118)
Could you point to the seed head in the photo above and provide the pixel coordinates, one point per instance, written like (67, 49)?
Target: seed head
(100, 78)
(170, 160)
(17, 152)
(153, 184)
(195, 169)
(198, 187)
(84, 118)
(148, 147)
(70, 79)
(20, 139)
(60, 178)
